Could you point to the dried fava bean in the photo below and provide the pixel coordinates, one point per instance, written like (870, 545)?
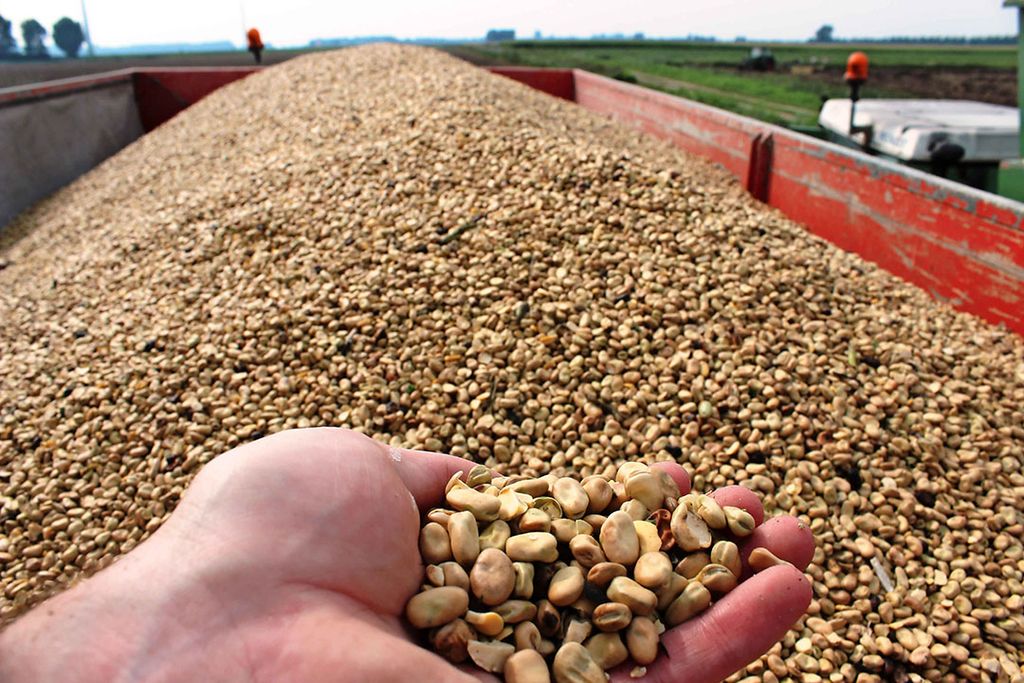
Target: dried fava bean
(434, 575)
(571, 495)
(762, 558)
(439, 516)
(549, 505)
(577, 631)
(534, 520)
(483, 506)
(690, 531)
(487, 623)
(662, 520)
(691, 565)
(515, 611)
(670, 591)
(583, 527)
(531, 487)
(599, 493)
(741, 522)
(669, 487)
(548, 619)
(564, 529)
(566, 586)
(602, 573)
(455, 482)
(717, 578)
(465, 537)
(526, 666)
(434, 544)
(653, 570)
(478, 475)
(492, 577)
(436, 606)
(640, 600)
(490, 655)
(587, 551)
(607, 650)
(627, 469)
(642, 640)
(650, 541)
(635, 509)
(526, 636)
(536, 546)
(619, 497)
(511, 505)
(694, 599)
(645, 488)
(727, 554)
(595, 521)
(612, 616)
(584, 606)
(455, 575)
(451, 640)
(495, 535)
(573, 664)
(619, 540)
(524, 580)
(708, 509)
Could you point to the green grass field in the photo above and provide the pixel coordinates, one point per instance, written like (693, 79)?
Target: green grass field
(708, 72)
(706, 54)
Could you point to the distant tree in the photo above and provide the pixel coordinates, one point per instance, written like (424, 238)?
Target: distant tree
(824, 34)
(68, 35)
(7, 43)
(33, 34)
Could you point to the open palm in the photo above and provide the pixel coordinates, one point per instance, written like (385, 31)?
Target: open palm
(291, 559)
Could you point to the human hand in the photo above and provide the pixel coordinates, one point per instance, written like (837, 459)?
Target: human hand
(291, 559)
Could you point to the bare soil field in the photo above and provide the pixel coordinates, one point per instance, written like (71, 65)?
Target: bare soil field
(983, 84)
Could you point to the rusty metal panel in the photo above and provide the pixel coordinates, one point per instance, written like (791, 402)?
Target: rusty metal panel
(556, 82)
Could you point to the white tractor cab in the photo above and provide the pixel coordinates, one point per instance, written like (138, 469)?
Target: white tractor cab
(962, 140)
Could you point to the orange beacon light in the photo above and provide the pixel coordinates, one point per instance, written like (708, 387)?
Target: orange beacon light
(857, 68)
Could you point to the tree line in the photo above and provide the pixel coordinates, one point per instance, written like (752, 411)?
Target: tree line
(826, 34)
(67, 35)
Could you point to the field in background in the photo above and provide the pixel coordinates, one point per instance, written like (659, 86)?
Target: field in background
(18, 73)
(806, 73)
(707, 72)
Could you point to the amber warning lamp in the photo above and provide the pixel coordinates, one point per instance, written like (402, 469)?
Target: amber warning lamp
(857, 68)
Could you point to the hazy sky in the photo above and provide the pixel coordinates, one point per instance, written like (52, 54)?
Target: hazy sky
(295, 22)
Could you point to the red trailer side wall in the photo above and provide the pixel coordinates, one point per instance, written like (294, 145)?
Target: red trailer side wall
(162, 93)
(555, 82)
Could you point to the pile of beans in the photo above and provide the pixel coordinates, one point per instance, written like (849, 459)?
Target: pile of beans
(586, 573)
(391, 240)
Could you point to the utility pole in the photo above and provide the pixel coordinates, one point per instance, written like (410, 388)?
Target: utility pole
(88, 36)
